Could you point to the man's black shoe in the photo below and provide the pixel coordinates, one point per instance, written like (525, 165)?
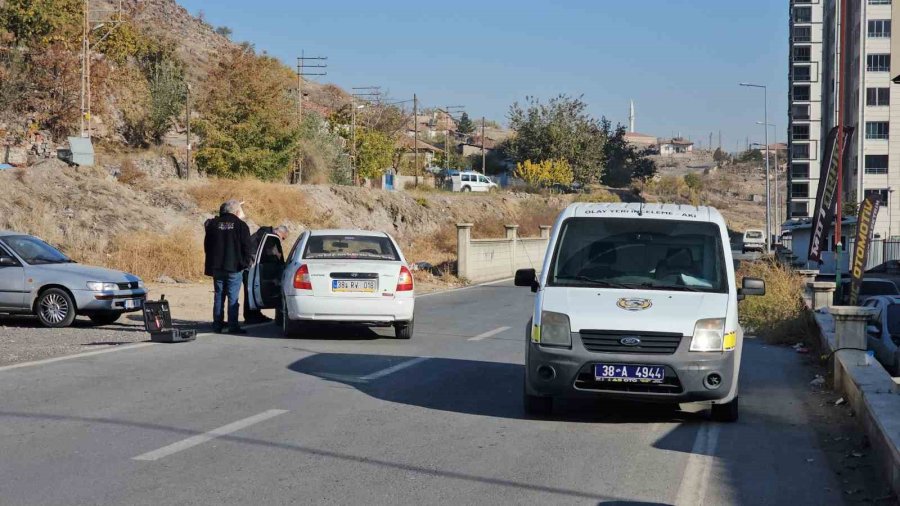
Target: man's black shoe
(217, 329)
(257, 319)
(237, 331)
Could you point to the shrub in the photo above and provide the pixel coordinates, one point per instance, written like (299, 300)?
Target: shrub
(265, 203)
(693, 181)
(129, 174)
(598, 196)
(778, 317)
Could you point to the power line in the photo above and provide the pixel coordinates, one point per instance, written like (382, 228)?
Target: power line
(306, 66)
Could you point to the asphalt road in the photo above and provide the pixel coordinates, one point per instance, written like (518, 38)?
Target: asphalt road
(356, 417)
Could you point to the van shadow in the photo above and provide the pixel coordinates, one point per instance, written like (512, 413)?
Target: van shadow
(469, 387)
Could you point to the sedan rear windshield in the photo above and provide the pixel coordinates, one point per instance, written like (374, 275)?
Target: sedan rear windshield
(642, 254)
(35, 251)
(350, 247)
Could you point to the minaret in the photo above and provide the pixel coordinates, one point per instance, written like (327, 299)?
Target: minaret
(631, 118)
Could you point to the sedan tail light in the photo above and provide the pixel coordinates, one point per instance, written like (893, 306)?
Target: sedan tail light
(405, 281)
(301, 279)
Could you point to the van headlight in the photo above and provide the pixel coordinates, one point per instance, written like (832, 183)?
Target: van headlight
(709, 335)
(554, 330)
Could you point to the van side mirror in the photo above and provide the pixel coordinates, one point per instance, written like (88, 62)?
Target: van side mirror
(752, 286)
(6, 261)
(527, 277)
(873, 330)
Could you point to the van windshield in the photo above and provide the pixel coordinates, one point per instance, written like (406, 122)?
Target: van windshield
(753, 234)
(639, 254)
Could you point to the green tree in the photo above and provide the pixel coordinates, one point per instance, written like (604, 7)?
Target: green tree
(224, 31)
(167, 97)
(622, 161)
(465, 125)
(374, 152)
(40, 22)
(558, 130)
(248, 126)
(720, 156)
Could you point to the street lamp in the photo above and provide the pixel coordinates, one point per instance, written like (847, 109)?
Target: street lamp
(777, 222)
(766, 128)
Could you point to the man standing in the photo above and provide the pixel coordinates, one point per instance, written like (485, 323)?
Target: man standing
(274, 252)
(227, 248)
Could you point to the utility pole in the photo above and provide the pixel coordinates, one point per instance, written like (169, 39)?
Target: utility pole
(361, 93)
(94, 19)
(302, 71)
(449, 110)
(416, 137)
(483, 158)
(720, 140)
(709, 146)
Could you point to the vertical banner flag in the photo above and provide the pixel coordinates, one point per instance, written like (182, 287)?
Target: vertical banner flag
(825, 196)
(865, 230)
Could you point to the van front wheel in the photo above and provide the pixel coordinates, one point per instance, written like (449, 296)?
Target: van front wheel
(727, 412)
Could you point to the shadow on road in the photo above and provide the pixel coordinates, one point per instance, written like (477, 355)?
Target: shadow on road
(470, 387)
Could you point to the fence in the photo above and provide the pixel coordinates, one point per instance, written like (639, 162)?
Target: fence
(880, 251)
(481, 260)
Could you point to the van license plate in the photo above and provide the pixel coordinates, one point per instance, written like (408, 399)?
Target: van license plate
(364, 286)
(630, 373)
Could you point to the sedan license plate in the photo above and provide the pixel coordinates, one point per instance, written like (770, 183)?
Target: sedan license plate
(622, 373)
(133, 304)
(362, 286)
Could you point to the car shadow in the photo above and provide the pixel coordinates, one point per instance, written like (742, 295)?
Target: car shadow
(469, 387)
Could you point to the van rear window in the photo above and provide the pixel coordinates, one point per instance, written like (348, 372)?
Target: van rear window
(754, 235)
(347, 247)
(640, 254)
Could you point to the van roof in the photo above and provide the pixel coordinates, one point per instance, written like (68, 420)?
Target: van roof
(646, 211)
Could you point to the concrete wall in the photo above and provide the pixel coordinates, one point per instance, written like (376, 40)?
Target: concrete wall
(481, 260)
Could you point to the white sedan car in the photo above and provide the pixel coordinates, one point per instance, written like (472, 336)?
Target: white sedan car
(336, 276)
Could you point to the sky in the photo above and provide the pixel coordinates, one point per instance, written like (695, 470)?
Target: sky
(679, 60)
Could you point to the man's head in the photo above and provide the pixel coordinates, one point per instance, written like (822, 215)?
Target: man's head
(234, 207)
(281, 231)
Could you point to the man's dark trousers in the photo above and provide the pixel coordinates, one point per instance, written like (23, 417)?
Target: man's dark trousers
(227, 285)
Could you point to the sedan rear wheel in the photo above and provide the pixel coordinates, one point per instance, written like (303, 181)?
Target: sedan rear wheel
(288, 328)
(55, 308)
(404, 330)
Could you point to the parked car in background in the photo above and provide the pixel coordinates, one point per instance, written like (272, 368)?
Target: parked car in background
(754, 240)
(340, 276)
(38, 279)
(871, 287)
(472, 182)
(883, 331)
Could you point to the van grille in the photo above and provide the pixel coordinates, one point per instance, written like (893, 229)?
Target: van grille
(607, 341)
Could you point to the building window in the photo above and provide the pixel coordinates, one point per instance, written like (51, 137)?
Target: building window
(879, 28)
(800, 111)
(801, 92)
(879, 2)
(800, 132)
(802, 73)
(878, 62)
(800, 151)
(799, 171)
(880, 194)
(877, 129)
(800, 190)
(878, 96)
(799, 209)
(802, 53)
(876, 164)
(802, 14)
(802, 34)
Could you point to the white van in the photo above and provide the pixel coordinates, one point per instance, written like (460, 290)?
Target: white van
(636, 301)
(754, 240)
(472, 182)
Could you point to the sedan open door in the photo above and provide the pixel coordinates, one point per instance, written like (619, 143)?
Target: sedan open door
(264, 275)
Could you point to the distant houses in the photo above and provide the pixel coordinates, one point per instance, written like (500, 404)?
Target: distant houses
(673, 146)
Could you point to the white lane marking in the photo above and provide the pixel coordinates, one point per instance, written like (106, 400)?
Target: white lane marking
(490, 333)
(391, 370)
(109, 349)
(77, 355)
(193, 441)
(695, 482)
(464, 288)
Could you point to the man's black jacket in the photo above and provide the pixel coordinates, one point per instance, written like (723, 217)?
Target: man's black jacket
(227, 245)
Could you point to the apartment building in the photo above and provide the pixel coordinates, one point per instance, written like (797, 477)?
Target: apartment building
(873, 155)
(805, 112)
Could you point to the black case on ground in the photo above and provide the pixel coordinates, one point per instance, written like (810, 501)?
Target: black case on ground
(158, 322)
